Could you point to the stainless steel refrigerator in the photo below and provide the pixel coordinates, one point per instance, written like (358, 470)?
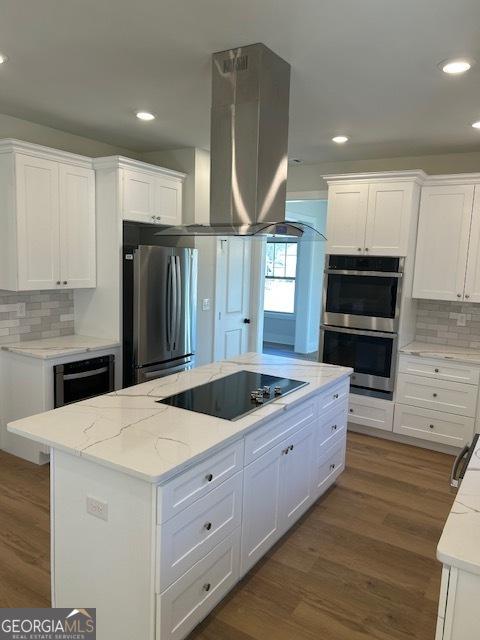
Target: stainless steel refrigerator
(160, 304)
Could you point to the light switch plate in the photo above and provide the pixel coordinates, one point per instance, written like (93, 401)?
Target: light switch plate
(97, 508)
(462, 320)
(206, 304)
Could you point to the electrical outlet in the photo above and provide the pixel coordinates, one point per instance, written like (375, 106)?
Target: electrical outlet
(21, 310)
(97, 508)
(206, 304)
(462, 320)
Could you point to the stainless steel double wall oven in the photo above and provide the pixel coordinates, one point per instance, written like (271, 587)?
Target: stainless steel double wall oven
(361, 313)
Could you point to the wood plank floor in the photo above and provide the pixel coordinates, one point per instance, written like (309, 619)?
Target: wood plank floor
(360, 565)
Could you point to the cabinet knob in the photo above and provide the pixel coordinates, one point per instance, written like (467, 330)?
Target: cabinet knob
(459, 295)
(285, 451)
(467, 296)
(291, 447)
(366, 248)
(158, 218)
(434, 395)
(432, 426)
(153, 217)
(58, 282)
(332, 467)
(65, 282)
(209, 477)
(206, 587)
(208, 526)
(335, 396)
(359, 249)
(351, 410)
(437, 370)
(334, 427)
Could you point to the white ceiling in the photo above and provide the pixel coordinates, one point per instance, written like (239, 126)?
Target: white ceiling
(362, 67)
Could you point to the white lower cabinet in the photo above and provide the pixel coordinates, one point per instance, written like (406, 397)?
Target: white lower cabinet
(436, 426)
(458, 610)
(183, 605)
(328, 466)
(371, 412)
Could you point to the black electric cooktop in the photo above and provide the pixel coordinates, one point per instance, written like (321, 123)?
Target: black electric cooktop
(234, 396)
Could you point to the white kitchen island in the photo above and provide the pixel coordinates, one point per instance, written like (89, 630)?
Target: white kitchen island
(157, 512)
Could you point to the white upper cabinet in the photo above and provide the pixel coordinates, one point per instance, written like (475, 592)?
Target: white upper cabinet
(346, 218)
(372, 214)
(47, 218)
(150, 194)
(447, 262)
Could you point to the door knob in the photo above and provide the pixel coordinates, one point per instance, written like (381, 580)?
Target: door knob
(246, 321)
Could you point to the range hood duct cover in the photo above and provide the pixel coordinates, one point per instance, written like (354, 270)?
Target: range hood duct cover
(249, 146)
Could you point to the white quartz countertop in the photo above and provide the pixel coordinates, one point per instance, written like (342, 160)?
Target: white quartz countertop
(459, 545)
(129, 431)
(48, 348)
(444, 352)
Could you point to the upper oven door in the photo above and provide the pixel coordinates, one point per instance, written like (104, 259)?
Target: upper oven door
(362, 299)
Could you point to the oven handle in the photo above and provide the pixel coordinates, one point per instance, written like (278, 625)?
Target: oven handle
(85, 374)
(375, 274)
(360, 332)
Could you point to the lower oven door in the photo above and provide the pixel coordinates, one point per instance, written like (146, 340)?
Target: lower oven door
(371, 354)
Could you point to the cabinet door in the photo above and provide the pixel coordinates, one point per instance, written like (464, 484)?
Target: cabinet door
(442, 243)
(388, 219)
(472, 280)
(296, 485)
(168, 201)
(38, 243)
(77, 227)
(346, 218)
(139, 195)
(261, 506)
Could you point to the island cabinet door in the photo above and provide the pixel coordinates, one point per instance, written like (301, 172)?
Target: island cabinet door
(295, 483)
(261, 506)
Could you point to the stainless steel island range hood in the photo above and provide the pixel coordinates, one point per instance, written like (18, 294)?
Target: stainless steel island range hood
(249, 146)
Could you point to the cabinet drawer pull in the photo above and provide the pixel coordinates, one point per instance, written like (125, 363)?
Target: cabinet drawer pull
(291, 447)
(432, 426)
(209, 477)
(334, 427)
(206, 587)
(335, 396)
(437, 370)
(434, 395)
(332, 467)
(208, 526)
(285, 451)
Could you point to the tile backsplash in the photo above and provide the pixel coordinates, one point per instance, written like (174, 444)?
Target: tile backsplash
(48, 314)
(437, 323)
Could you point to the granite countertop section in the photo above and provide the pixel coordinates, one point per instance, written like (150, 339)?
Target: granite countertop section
(129, 431)
(49, 348)
(444, 352)
(459, 545)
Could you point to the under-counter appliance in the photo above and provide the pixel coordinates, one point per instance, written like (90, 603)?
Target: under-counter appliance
(83, 379)
(361, 314)
(235, 395)
(462, 461)
(159, 311)
(363, 292)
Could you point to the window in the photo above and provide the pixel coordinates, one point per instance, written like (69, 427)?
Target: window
(280, 272)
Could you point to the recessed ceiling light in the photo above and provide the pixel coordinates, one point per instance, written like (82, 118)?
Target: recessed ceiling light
(340, 139)
(457, 66)
(476, 125)
(145, 115)
(3, 58)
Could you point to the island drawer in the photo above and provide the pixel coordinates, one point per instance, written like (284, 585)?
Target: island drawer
(439, 369)
(186, 538)
(183, 605)
(440, 395)
(332, 425)
(277, 429)
(436, 426)
(186, 488)
(333, 396)
(329, 464)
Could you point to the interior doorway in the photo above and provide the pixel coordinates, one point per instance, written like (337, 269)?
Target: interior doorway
(293, 284)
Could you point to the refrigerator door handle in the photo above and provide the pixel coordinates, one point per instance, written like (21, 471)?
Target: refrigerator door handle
(168, 309)
(454, 479)
(173, 310)
(178, 307)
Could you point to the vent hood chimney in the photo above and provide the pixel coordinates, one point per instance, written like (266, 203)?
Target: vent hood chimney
(249, 147)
